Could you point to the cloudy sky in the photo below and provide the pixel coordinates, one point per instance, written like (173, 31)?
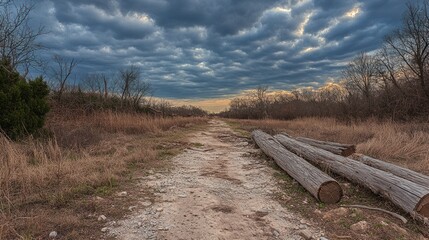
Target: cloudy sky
(214, 49)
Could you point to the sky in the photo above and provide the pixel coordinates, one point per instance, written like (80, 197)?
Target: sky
(205, 52)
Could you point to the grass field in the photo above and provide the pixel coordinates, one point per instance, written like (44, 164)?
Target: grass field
(46, 181)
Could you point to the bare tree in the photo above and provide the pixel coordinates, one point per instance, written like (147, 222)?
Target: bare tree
(390, 68)
(133, 89)
(411, 44)
(361, 77)
(17, 39)
(60, 72)
(97, 83)
(331, 93)
(262, 101)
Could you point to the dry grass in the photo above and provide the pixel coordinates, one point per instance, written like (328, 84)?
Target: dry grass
(405, 144)
(84, 155)
(135, 123)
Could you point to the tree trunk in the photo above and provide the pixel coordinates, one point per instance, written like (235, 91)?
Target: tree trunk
(394, 169)
(319, 184)
(105, 87)
(337, 148)
(411, 197)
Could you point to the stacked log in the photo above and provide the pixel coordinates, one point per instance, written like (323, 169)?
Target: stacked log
(410, 196)
(319, 184)
(405, 173)
(333, 147)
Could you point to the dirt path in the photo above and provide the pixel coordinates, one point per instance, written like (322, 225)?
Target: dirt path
(217, 190)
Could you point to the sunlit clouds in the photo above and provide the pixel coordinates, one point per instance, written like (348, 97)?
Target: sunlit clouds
(202, 49)
(353, 12)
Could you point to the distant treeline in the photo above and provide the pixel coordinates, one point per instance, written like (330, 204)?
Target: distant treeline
(392, 83)
(123, 91)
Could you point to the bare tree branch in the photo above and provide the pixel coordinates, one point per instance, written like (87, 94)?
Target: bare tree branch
(60, 73)
(17, 38)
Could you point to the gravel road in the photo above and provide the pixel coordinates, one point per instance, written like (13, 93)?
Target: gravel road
(218, 189)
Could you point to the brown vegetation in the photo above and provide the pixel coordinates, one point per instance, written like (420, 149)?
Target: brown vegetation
(406, 144)
(76, 155)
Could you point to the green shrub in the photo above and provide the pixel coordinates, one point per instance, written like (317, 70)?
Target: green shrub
(23, 104)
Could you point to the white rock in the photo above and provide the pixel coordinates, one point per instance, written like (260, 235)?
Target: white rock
(146, 203)
(105, 229)
(53, 234)
(182, 195)
(306, 234)
(336, 213)
(122, 194)
(131, 208)
(323, 238)
(159, 209)
(276, 233)
(360, 226)
(101, 218)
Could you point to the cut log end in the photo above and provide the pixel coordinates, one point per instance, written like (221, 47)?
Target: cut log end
(330, 192)
(423, 206)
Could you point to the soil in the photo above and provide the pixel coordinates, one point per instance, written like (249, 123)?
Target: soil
(217, 189)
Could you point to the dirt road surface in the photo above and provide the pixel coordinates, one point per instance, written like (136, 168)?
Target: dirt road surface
(217, 190)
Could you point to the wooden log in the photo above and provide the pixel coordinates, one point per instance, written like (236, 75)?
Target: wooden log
(333, 147)
(394, 169)
(411, 197)
(319, 184)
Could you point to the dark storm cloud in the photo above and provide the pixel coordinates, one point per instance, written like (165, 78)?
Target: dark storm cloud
(223, 16)
(207, 48)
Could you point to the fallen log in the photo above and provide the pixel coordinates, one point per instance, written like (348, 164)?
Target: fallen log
(333, 147)
(411, 197)
(319, 184)
(394, 169)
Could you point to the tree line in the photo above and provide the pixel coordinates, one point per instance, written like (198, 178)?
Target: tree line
(24, 102)
(390, 83)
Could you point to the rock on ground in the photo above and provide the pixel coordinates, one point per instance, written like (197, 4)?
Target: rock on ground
(360, 226)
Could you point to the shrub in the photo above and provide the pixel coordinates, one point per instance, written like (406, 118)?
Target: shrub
(23, 104)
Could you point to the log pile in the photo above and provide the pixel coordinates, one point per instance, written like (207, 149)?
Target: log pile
(405, 188)
(319, 184)
(394, 169)
(337, 148)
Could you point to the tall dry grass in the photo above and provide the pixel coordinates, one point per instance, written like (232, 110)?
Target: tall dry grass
(405, 144)
(136, 123)
(80, 155)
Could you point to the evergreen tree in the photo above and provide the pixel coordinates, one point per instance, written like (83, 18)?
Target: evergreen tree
(23, 104)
